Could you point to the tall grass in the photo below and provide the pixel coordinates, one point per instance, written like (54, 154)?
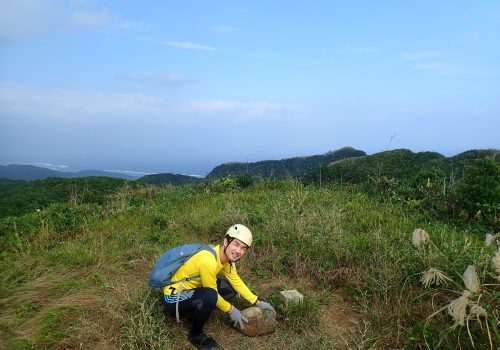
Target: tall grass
(73, 276)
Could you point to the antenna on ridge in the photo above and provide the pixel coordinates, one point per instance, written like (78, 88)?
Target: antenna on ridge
(390, 140)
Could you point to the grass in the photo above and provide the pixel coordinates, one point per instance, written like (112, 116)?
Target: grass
(75, 276)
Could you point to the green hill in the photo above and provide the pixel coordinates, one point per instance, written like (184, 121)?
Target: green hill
(279, 169)
(457, 164)
(401, 164)
(465, 187)
(168, 179)
(20, 197)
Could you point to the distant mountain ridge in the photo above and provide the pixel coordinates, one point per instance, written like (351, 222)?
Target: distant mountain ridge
(345, 164)
(404, 166)
(168, 179)
(31, 172)
(399, 164)
(279, 169)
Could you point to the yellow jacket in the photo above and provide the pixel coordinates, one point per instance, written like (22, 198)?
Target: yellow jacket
(204, 265)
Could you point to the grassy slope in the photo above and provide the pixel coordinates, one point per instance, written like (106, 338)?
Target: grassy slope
(83, 285)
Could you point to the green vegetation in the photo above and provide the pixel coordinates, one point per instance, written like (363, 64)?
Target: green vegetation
(460, 189)
(74, 274)
(20, 197)
(398, 164)
(478, 194)
(168, 179)
(285, 168)
(391, 164)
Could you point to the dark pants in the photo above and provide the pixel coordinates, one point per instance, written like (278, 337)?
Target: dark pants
(199, 303)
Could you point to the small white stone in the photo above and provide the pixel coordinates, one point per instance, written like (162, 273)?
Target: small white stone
(291, 296)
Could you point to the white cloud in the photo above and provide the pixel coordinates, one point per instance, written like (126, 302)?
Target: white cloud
(168, 80)
(129, 172)
(23, 19)
(26, 19)
(51, 166)
(24, 102)
(239, 110)
(422, 55)
(92, 19)
(188, 45)
(454, 69)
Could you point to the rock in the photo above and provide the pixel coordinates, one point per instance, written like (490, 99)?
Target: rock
(291, 296)
(259, 321)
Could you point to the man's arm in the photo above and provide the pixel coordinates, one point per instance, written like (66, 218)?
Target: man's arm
(235, 280)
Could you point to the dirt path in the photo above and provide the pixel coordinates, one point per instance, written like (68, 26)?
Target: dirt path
(341, 323)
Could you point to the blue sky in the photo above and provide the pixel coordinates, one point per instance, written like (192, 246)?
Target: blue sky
(171, 86)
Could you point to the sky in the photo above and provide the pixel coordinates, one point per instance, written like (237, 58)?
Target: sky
(183, 86)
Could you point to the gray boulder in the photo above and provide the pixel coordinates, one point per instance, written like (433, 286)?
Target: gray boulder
(259, 321)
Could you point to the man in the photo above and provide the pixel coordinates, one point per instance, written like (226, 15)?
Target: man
(200, 296)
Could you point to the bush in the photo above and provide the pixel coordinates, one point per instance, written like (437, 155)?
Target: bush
(244, 180)
(225, 184)
(478, 195)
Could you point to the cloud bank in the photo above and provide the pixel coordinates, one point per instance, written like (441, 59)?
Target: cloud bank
(23, 20)
(25, 102)
(189, 46)
(156, 79)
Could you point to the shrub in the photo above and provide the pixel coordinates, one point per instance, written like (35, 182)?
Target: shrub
(244, 180)
(225, 184)
(478, 195)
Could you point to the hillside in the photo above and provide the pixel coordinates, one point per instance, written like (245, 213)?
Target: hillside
(462, 188)
(401, 164)
(21, 197)
(30, 172)
(168, 179)
(74, 275)
(279, 169)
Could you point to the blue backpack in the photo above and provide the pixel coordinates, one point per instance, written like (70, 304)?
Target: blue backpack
(168, 263)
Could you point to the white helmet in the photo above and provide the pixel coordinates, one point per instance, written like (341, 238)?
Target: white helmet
(240, 232)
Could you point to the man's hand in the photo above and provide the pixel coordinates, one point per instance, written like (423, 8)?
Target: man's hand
(236, 317)
(264, 306)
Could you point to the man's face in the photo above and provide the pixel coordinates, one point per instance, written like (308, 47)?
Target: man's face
(235, 250)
